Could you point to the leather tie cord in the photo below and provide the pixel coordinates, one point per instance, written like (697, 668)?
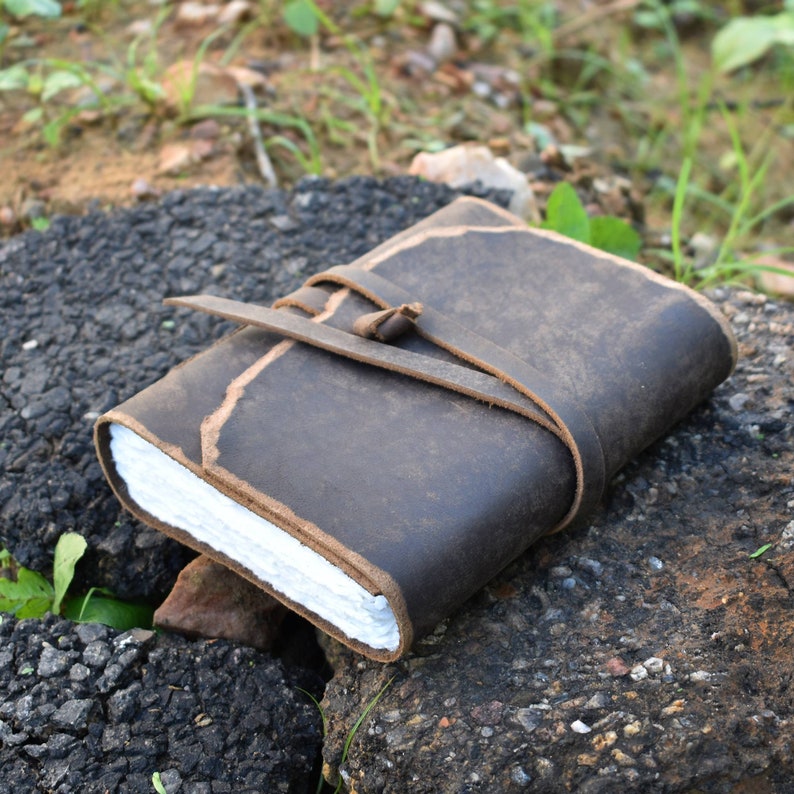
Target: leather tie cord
(503, 373)
(575, 428)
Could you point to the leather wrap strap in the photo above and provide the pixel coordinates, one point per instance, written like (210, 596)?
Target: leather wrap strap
(574, 426)
(446, 374)
(505, 380)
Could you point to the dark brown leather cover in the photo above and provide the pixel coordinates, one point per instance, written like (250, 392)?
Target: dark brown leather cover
(421, 416)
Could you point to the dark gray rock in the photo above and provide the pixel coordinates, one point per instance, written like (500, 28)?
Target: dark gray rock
(200, 713)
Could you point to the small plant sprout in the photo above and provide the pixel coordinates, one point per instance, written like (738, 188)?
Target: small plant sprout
(352, 733)
(157, 783)
(760, 551)
(566, 215)
(28, 594)
(356, 725)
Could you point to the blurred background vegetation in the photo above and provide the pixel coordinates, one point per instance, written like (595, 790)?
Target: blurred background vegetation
(675, 116)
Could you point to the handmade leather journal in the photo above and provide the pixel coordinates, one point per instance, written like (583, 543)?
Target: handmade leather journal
(377, 445)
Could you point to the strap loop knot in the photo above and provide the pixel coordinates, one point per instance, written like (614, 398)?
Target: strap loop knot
(388, 324)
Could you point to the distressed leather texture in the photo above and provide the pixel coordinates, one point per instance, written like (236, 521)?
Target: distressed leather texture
(422, 415)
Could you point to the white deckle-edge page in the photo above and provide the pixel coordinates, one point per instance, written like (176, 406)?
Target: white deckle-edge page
(176, 496)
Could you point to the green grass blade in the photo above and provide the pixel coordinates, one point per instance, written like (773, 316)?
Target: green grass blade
(679, 266)
(69, 549)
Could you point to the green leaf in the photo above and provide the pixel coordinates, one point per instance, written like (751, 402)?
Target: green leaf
(742, 41)
(40, 224)
(615, 236)
(68, 550)
(33, 116)
(566, 215)
(758, 552)
(301, 17)
(784, 25)
(34, 608)
(385, 8)
(50, 9)
(109, 611)
(58, 81)
(30, 596)
(158, 783)
(14, 78)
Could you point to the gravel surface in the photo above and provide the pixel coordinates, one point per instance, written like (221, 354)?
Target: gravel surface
(86, 709)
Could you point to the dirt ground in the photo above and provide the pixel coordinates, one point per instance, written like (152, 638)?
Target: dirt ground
(495, 90)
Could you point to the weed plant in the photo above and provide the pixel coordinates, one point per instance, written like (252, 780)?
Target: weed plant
(28, 594)
(726, 196)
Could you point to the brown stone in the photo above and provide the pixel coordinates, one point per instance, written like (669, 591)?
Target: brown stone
(209, 600)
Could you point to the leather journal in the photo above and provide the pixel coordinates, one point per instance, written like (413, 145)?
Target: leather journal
(377, 445)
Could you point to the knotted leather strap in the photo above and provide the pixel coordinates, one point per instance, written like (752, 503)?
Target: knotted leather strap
(446, 374)
(574, 426)
(504, 378)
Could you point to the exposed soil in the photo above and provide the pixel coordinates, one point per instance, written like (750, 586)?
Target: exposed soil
(485, 89)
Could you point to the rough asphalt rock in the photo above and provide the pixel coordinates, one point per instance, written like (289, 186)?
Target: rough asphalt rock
(86, 709)
(646, 652)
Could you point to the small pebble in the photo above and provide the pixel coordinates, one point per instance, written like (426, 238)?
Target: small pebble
(438, 12)
(638, 673)
(738, 401)
(591, 566)
(653, 665)
(443, 45)
(577, 726)
(655, 564)
(616, 667)
(141, 189)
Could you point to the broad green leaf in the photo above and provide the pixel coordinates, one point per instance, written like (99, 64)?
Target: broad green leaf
(615, 236)
(30, 596)
(301, 17)
(14, 78)
(120, 615)
(34, 608)
(68, 550)
(33, 116)
(40, 8)
(55, 82)
(385, 8)
(784, 25)
(742, 41)
(566, 215)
